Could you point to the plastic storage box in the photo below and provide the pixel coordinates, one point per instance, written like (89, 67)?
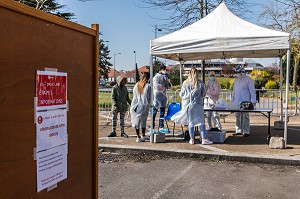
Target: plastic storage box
(159, 138)
(216, 135)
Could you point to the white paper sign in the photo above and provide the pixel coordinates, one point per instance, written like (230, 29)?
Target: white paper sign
(51, 166)
(51, 129)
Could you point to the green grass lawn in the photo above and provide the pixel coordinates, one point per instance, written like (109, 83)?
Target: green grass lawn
(104, 100)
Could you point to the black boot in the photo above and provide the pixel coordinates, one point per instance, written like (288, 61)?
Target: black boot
(124, 135)
(112, 134)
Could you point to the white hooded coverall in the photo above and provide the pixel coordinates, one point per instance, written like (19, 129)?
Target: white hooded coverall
(213, 90)
(243, 90)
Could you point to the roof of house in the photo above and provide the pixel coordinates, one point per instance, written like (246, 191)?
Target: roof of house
(132, 72)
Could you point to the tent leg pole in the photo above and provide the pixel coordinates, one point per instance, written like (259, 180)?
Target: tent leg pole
(281, 93)
(287, 94)
(203, 70)
(151, 100)
(180, 71)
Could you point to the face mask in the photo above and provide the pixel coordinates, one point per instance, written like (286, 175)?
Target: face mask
(212, 78)
(243, 74)
(163, 72)
(239, 76)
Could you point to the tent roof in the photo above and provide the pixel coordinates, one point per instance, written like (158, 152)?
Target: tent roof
(221, 34)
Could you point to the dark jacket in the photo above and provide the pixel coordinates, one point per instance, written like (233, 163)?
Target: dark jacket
(120, 96)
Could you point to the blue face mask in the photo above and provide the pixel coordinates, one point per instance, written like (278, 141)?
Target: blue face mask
(212, 78)
(239, 75)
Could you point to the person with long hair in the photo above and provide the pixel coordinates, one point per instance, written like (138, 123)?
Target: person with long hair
(192, 114)
(140, 106)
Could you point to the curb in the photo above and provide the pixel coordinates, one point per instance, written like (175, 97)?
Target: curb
(222, 156)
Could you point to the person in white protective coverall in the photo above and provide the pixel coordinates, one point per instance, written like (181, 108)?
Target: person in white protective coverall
(192, 113)
(213, 90)
(140, 105)
(160, 84)
(243, 90)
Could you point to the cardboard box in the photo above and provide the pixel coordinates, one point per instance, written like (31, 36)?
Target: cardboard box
(217, 136)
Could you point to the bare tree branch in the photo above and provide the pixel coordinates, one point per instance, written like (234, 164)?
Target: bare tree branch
(285, 15)
(185, 12)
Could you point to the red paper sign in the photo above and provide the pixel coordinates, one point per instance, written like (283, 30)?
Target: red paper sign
(51, 90)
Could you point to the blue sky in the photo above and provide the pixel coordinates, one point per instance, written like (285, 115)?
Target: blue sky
(126, 26)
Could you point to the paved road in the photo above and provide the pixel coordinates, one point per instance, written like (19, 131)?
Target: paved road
(138, 177)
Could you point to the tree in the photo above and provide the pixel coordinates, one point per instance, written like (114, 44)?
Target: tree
(174, 75)
(228, 70)
(260, 78)
(156, 65)
(185, 12)
(284, 15)
(104, 64)
(49, 6)
(137, 74)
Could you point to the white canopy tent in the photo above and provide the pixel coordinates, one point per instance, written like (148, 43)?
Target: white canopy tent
(222, 34)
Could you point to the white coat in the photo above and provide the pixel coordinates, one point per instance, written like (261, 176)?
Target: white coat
(160, 84)
(140, 105)
(213, 90)
(193, 113)
(185, 97)
(243, 90)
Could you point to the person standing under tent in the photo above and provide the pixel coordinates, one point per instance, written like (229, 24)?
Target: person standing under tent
(243, 90)
(140, 106)
(213, 90)
(192, 113)
(160, 84)
(120, 98)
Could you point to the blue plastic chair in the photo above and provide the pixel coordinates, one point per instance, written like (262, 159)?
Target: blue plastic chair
(173, 108)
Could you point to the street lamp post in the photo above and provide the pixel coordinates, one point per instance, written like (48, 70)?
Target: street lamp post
(134, 58)
(159, 30)
(115, 65)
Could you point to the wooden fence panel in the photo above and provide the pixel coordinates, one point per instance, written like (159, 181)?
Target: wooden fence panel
(31, 40)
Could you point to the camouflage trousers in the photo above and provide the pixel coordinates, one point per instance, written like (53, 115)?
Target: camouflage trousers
(114, 121)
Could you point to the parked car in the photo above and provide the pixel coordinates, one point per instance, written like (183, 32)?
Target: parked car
(102, 82)
(112, 83)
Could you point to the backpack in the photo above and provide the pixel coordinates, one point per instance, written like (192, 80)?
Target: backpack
(246, 105)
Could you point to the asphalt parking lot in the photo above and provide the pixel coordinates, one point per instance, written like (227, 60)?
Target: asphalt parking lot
(155, 176)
